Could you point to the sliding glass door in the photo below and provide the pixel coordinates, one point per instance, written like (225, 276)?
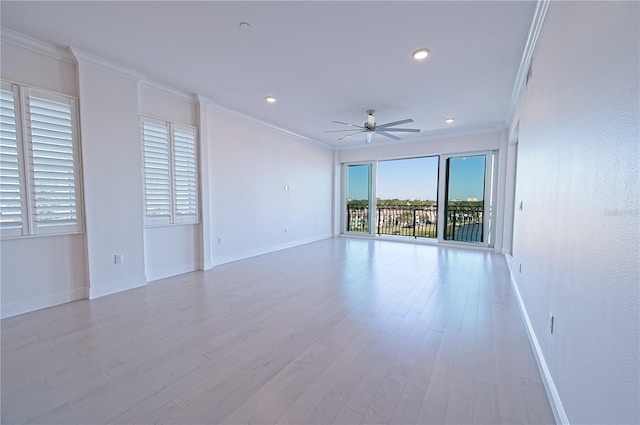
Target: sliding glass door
(406, 197)
(467, 207)
(358, 202)
(448, 197)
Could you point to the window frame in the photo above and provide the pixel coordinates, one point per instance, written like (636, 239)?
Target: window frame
(490, 196)
(30, 227)
(173, 218)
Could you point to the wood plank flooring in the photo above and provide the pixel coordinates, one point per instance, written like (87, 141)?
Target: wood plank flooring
(342, 331)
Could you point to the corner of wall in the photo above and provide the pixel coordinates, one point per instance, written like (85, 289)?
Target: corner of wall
(118, 286)
(552, 393)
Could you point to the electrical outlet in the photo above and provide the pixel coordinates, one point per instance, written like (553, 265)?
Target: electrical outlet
(118, 259)
(285, 230)
(521, 205)
(520, 268)
(551, 323)
(220, 241)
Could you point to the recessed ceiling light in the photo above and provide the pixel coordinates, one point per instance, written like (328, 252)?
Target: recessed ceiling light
(270, 99)
(421, 54)
(244, 26)
(449, 120)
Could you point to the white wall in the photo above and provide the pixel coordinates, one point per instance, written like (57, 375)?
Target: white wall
(50, 72)
(250, 165)
(169, 250)
(111, 166)
(577, 236)
(158, 102)
(38, 272)
(245, 168)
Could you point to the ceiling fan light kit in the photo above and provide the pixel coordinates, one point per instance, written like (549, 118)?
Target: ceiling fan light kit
(371, 127)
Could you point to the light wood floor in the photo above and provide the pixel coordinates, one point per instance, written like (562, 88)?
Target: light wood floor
(341, 331)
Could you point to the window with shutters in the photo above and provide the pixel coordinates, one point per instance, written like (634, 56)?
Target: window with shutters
(170, 172)
(39, 163)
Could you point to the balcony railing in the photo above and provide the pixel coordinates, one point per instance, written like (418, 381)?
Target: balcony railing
(464, 222)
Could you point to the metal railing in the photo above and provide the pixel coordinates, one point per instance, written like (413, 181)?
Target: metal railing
(464, 222)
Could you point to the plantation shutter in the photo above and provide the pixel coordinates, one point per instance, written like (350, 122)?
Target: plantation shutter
(157, 178)
(11, 195)
(185, 173)
(53, 183)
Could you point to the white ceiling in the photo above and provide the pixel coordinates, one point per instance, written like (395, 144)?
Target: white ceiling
(324, 61)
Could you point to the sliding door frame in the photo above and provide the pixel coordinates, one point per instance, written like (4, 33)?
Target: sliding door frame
(372, 205)
(489, 197)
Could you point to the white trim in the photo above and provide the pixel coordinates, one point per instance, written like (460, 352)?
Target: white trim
(27, 306)
(434, 135)
(163, 272)
(171, 91)
(532, 39)
(552, 392)
(203, 100)
(267, 250)
(118, 286)
(231, 112)
(205, 233)
(205, 265)
(37, 45)
(105, 64)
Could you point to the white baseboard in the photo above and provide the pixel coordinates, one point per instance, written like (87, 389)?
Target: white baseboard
(119, 286)
(268, 249)
(172, 271)
(552, 392)
(205, 265)
(27, 306)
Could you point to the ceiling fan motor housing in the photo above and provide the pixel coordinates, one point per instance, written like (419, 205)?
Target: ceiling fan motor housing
(370, 125)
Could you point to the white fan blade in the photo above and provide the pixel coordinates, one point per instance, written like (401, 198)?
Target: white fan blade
(406, 130)
(337, 131)
(349, 135)
(369, 136)
(391, 124)
(391, 136)
(346, 123)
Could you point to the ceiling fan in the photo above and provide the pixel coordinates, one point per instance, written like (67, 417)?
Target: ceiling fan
(371, 127)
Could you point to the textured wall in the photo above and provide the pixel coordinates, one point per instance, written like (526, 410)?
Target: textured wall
(111, 158)
(61, 272)
(261, 183)
(577, 235)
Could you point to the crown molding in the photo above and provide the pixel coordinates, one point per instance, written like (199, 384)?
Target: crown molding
(532, 39)
(36, 45)
(162, 88)
(437, 135)
(205, 101)
(105, 64)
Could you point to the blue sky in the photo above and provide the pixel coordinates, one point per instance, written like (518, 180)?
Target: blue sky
(417, 178)
(466, 178)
